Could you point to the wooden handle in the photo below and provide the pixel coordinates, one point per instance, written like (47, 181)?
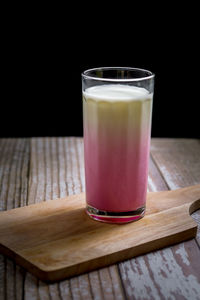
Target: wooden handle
(195, 198)
(188, 197)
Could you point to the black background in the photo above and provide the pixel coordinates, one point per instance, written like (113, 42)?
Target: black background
(45, 51)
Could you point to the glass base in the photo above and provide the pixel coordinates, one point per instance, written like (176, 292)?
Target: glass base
(115, 217)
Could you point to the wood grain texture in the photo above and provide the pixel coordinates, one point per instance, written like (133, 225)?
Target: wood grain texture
(57, 170)
(171, 275)
(55, 250)
(174, 273)
(14, 170)
(179, 163)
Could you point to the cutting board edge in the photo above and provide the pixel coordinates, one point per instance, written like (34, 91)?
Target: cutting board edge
(23, 262)
(103, 261)
(125, 254)
(46, 202)
(194, 206)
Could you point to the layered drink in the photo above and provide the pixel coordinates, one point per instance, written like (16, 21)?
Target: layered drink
(117, 124)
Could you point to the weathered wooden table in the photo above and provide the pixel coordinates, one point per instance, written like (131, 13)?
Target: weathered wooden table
(38, 169)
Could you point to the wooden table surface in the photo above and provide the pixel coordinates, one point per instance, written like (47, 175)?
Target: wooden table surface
(39, 169)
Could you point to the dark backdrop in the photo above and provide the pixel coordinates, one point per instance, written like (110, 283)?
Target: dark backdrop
(43, 59)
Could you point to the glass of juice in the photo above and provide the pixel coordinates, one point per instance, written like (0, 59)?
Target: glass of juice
(117, 110)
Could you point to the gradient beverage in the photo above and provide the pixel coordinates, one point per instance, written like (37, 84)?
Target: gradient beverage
(117, 124)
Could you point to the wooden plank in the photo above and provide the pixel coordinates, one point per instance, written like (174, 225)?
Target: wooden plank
(155, 182)
(168, 274)
(179, 163)
(172, 273)
(168, 261)
(55, 250)
(43, 185)
(93, 285)
(14, 158)
(57, 170)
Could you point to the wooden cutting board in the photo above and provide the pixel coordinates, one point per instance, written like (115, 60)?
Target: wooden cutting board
(56, 239)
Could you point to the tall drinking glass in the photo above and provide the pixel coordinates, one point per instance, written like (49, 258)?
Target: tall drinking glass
(117, 109)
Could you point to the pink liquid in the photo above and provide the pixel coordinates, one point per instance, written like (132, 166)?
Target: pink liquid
(116, 147)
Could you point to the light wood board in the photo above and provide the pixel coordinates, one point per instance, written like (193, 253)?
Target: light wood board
(56, 239)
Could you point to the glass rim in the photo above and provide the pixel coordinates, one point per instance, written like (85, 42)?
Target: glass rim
(86, 76)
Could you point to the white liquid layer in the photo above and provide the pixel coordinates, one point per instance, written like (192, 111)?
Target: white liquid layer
(116, 92)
